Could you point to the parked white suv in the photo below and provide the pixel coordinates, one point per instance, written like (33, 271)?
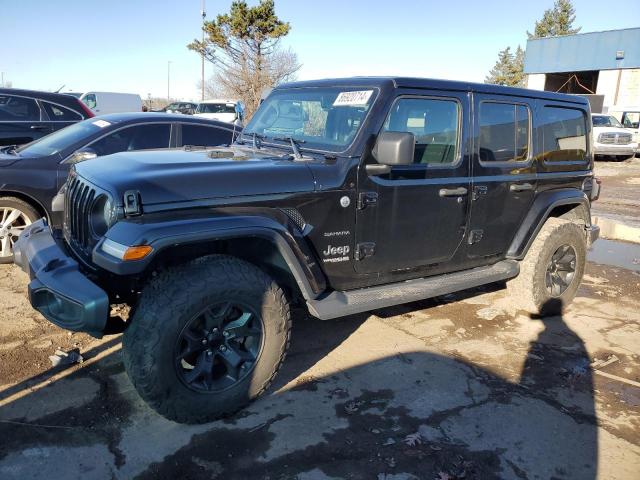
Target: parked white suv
(230, 111)
(611, 139)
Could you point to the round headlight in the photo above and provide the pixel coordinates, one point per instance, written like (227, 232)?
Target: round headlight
(103, 215)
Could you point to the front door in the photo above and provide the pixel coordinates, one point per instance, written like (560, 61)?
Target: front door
(414, 216)
(504, 173)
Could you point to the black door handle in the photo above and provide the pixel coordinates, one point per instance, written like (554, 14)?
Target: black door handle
(520, 187)
(38, 127)
(452, 192)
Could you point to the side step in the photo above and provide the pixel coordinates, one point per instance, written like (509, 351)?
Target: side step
(340, 304)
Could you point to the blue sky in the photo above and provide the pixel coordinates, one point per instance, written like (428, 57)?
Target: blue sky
(121, 45)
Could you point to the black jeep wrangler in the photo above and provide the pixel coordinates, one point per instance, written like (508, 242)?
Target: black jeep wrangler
(348, 195)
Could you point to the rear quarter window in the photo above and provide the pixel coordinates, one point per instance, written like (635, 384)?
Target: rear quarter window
(564, 134)
(57, 113)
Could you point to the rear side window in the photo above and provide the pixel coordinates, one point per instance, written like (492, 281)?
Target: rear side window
(504, 132)
(564, 134)
(201, 136)
(138, 137)
(60, 114)
(433, 122)
(18, 109)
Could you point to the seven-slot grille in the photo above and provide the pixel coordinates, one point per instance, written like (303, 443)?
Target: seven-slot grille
(615, 138)
(78, 201)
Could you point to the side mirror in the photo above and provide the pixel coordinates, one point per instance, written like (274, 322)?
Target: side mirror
(82, 155)
(395, 148)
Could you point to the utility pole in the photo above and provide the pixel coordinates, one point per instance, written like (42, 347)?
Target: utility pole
(204, 14)
(2, 83)
(168, 80)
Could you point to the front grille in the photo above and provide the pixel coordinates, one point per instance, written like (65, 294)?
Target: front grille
(78, 201)
(615, 138)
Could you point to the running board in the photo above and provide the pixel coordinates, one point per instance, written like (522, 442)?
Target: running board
(339, 304)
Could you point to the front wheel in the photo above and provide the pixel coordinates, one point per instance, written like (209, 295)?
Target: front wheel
(552, 270)
(15, 216)
(207, 338)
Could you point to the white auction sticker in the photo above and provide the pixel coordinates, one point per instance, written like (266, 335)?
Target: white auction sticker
(101, 123)
(360, 97)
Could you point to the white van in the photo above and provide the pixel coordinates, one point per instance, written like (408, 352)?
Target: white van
(230, 111)
(102, 103)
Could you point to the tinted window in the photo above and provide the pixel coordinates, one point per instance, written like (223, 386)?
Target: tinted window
(18, 109)
(631, 119)
(61, 114)
(605, 121)
(199, 135)
(434, 122)
(216, 108)
(60, 140)
(564, 134)
(139, 137)
(504, 132)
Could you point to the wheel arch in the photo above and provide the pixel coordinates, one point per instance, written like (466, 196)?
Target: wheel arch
(33, 202)
(569, 204)
(281, 251)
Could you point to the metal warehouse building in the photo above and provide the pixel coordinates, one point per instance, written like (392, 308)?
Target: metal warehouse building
(604, 64)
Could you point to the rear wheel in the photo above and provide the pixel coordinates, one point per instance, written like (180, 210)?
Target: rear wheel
(15, 216)
(207, 338)
(552, 270)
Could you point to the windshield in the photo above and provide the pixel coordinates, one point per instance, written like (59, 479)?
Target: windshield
(322, 118)
(216, 108)
(606, 121)
(60, 140)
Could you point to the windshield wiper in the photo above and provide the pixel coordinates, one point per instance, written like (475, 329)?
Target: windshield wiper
(294, 145)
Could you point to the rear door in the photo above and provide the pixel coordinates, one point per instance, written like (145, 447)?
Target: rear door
(504, 172)
(20, 120)
(414, 217)
(58, 116)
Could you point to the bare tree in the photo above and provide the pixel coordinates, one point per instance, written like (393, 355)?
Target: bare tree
(244, 46)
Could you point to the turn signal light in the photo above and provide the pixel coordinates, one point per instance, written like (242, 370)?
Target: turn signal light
(137, 253)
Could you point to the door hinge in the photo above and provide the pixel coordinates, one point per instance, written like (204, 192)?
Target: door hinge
(475, 236)
(364, 250)
(367, 199)
(478, 191)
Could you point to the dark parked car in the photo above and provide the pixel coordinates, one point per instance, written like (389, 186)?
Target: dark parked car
(186, 108)
(26, 115)
(31, 175)
(343, 195)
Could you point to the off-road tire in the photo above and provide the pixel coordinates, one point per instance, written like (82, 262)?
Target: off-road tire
(25, 208)
(528, 290)
(168, 302)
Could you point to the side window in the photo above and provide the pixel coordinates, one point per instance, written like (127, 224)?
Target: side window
(60, 114)
(90, 100)
(201, 136)
(564, 134)
(139, 137)
(18, 109)
(631, 119)
(434, 122)
(504, 132)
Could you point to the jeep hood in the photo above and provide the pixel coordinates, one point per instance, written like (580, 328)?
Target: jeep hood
(167, 176)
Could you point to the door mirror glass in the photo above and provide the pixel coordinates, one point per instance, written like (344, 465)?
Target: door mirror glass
(395, 148)
(82, 155)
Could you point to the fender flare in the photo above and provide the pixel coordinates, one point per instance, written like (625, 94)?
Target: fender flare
(162, 234)
(538, 213)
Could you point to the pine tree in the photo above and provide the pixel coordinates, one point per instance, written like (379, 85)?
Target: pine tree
(508, 69)
(556, 21)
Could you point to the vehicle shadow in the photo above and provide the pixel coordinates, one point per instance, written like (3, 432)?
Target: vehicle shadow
(368, 412)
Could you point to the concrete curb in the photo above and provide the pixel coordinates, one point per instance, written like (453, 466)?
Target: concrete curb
(612, 230)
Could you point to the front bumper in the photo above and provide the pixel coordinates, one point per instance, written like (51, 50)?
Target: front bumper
(608, 149)
(58, 289)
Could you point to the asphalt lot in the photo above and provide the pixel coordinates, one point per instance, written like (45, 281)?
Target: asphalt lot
(457, 387)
